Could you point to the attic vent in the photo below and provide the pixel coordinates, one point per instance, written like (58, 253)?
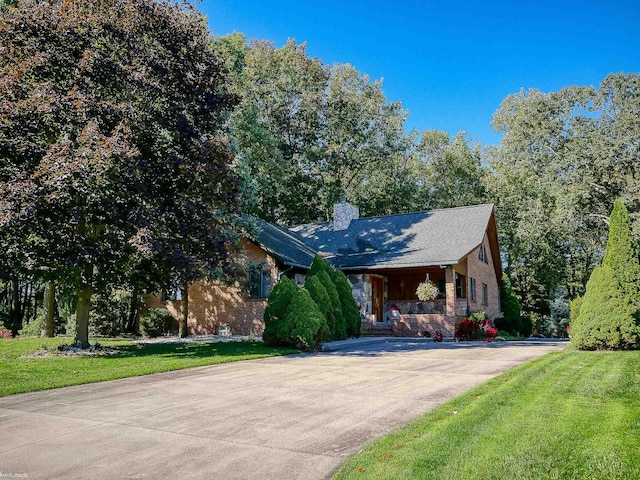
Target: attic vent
(343, 213)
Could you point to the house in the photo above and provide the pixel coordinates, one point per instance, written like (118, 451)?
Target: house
(384, 258)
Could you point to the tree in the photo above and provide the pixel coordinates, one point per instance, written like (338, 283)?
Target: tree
(302, 325)
(621, 255)
(348, 304)
(320, 296)
(317, 265)
(607, 319)
(277, 304)
(509, 301)
(111, 159)
(563, 158)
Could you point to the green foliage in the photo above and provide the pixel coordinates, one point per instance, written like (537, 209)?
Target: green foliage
(35, 328)
(303, 322)
(318, 265)
(621, 256)
(509, 301)
(320, 296)
(112, 161)
(564, 156)
(156, 322)
(335, 319)
(350, 310)
(277, 305)
(607, 320)
(575, 305)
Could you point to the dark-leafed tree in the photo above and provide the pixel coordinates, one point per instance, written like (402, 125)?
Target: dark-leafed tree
(112, 160)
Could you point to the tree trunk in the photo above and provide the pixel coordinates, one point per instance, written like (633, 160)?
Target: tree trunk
(184, 326)
(49, 307)
(132, 320)
(83, 293)
(15, 316)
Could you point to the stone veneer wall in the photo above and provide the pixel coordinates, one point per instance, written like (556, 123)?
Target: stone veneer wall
(361, 289)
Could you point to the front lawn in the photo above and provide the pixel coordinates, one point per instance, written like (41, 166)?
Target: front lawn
(21, 373)
(567, 415)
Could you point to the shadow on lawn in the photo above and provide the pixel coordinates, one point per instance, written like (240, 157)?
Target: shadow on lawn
(195, 349)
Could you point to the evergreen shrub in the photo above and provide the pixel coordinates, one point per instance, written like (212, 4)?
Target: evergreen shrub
(303, 323)
(155, 322)
(277, 305)
(607, 320)
(350, 310)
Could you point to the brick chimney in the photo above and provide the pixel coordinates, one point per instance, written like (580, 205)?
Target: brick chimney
(343, 213)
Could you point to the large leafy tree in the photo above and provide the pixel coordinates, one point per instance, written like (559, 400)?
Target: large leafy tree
(111, 159)
(563, 158)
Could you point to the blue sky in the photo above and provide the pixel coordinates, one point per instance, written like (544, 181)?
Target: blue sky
(451, 63)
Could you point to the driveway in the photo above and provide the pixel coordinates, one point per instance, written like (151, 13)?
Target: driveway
(296, 417)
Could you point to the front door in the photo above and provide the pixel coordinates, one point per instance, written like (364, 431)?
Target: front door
(376, 298)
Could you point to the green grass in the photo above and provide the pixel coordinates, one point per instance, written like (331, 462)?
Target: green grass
(19, 374)
(567, 415)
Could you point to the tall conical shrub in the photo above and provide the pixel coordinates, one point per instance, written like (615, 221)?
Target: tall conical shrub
(608, 315)
(607, 320)
(319, 294)
(277, 305)
(350, 310)
(302, 322)
(335, 319)
(621, 256)
(318, 265)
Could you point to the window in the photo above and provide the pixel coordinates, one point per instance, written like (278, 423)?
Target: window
(482, 254)
(259, 284)
(485, 294)
(472, 289)
(172, 295)
(442, 289)
(460, 286)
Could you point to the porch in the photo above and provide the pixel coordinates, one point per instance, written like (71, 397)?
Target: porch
(389, 304)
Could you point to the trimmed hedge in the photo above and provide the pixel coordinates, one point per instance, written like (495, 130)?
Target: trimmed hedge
(155, 322)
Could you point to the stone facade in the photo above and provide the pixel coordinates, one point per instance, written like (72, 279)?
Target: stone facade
(343, 213)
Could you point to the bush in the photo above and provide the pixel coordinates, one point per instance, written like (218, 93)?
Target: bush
(33, 329)
(350, 310)
(608, 318)
(5, 333)
(467, 330)
(277, 304)
(336, 321)
(320, 296)
(574, 308)
(155, 322)
(526, 326)
(509, 302)
(302, 324)
(318, 265)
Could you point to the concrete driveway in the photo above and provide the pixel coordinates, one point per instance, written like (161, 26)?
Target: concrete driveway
(296, 417)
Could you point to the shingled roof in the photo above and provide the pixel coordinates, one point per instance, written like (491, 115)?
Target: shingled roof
(437, 237)
(284, 245)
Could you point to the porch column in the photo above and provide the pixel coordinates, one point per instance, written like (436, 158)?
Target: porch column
(450, 290)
